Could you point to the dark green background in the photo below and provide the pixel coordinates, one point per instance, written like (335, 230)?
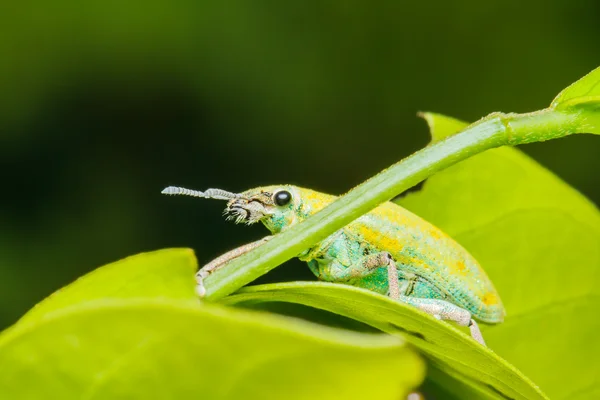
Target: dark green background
(103, 103)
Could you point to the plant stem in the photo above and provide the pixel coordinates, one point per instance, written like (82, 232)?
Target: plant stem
(492, 131)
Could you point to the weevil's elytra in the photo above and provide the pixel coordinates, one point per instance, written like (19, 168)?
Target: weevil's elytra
(431, 271)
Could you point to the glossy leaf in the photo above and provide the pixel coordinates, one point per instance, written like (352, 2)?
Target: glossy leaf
(133, 329)
(539, 241)
(585, 90)
(525, 226)
(159, 274)
(442, 126)
(445, 345)
(582, 99)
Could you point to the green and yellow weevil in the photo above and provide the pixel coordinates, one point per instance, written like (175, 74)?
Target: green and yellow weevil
(388, 250)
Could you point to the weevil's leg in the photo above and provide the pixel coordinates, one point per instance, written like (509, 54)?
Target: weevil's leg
(475, 332)
(385, 259)
(220, 261)
(446, 311)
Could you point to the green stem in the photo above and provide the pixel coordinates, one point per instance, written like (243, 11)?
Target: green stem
(493, 131)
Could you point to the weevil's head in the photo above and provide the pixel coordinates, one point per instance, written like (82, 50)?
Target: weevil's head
(277, 207)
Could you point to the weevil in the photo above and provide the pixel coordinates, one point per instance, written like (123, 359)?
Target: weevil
(389, 250)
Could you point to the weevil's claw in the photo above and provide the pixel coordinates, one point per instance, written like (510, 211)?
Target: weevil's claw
(200, 290)
(475, 332)
(200, 276)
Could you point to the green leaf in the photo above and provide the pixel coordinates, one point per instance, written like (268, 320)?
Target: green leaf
(442, 126)
(582, 98)
(447, 348)
(585, 90)
(539, 241)
(159, 274)
(134, 329)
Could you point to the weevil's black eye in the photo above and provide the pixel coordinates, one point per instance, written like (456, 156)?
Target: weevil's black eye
(282, 197)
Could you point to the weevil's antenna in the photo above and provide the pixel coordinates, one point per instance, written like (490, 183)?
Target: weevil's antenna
(217, 194)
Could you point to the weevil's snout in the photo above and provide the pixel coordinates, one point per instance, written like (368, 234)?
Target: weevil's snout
(274, 206)
(246, 210)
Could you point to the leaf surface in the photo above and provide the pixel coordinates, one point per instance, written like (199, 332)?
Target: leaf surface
(586, 89)
(539, 241)
(134, 329)
(447, 347)
(158, 274)
(583, 99)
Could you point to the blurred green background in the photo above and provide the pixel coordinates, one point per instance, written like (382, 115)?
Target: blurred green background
(104, 103)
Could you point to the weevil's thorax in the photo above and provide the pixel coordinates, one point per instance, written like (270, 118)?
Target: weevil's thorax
(277, 207)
